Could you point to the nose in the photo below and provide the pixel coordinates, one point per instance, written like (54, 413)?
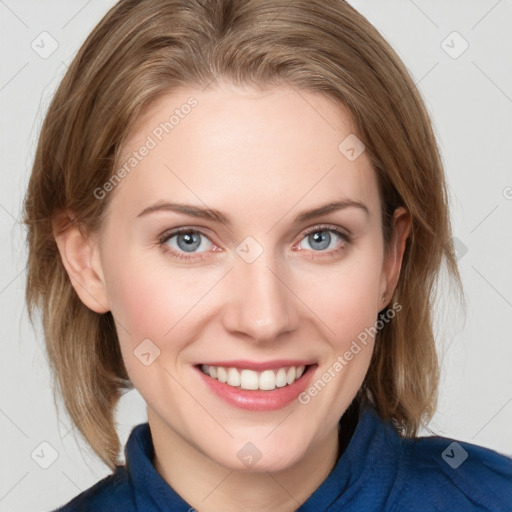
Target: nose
(260, 304)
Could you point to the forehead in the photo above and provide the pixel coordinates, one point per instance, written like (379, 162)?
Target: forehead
(243, 147)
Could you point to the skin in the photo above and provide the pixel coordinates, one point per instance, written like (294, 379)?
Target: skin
(260, 158)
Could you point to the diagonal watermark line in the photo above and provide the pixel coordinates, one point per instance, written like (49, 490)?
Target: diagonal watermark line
(209, 83)
(74, 425)
(493, 287)
(165, 165)
(297, 91)
(282, 487)
(14, 76)
(280, 423)
(215, 488)
(198, 301)
(424, 13)
(300, 199)
(11, 489)
(198, 402)
(12, 12)
(427, 73)
(486, 14)
(492, 81)
(71, 480)
(14, 423)
(11, 281)
(70, 428)
(492, 418)
(76, 14)
(492, 211)
(10, 214)
(300, 299)
(100, 304)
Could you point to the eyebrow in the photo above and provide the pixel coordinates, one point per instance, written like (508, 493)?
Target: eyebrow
(217, 216)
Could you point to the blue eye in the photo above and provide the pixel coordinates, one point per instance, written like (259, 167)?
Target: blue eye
(185, 241)
(321, 238)
(190, 244)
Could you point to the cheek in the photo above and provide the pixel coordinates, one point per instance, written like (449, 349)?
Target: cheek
(150, 299)
(151, 318)
(148, 303)
(344, 296)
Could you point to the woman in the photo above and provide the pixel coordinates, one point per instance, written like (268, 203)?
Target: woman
(238, 208)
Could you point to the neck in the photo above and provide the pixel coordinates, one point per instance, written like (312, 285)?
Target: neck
(210, 487)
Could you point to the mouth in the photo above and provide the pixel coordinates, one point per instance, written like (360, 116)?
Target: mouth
(257, 387)
(249, 379)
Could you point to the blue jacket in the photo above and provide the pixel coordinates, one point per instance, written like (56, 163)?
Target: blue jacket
(379, 470)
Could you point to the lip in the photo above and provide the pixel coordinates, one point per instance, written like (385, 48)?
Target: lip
(258, 400)
(243, 364)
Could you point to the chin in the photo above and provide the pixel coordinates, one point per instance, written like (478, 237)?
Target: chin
(258, 456)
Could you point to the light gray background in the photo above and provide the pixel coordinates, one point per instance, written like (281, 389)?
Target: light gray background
(470, 100)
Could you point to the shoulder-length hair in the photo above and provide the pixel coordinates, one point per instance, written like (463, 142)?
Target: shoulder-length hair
(143, 49)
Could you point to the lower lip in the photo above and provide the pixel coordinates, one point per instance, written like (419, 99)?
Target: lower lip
(258, 400)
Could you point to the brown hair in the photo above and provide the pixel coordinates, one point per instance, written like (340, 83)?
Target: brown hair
(143, 49)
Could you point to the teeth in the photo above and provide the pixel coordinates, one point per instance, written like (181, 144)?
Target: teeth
(281, 378)
(267, 380)
(252, 380)
(248, 378)
(233, 377)
(222, 374)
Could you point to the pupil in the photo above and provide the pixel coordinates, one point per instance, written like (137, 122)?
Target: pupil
(188, 241)
(321, 238)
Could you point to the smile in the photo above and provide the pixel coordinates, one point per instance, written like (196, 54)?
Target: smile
(261, 387)
(266, 380)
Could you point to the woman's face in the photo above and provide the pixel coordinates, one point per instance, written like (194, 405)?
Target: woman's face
(262, 278)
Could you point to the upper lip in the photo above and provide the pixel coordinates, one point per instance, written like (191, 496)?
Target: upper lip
(260, 365)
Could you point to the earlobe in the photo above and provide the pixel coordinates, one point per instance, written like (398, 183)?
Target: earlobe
(78, 252)
(394, 257)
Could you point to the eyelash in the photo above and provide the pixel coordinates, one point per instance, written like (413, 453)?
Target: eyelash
(164, 238)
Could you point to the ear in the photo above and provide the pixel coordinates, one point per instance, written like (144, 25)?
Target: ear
(401, 225)
(80, 257)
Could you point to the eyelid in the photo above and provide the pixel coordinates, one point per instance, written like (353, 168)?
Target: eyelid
(167, 235)
(203, 231)
(326, 227)
(343, 233)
